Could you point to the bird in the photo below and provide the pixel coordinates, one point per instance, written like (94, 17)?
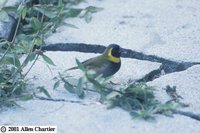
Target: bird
(106, 64)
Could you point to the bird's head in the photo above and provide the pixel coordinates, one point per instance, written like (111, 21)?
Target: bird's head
(112, 53)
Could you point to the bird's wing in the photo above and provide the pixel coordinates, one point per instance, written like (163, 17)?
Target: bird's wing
(98, 64)
(90, 63)
(95, 62)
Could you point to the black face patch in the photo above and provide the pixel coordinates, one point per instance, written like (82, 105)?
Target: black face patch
(115, 51)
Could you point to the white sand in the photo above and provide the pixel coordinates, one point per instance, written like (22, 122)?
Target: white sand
(166, 28)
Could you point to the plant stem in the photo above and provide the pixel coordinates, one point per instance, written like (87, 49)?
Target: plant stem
(93, 81)
(42, 19)
(16, 30)
(4, 54)
(60, 100)
(31, 66)
(110, 89)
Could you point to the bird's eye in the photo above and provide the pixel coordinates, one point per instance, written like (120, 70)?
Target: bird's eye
(115, 52)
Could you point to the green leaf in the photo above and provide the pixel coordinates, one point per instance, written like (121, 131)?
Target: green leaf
(88, 17)
(12, 60)
(88, 13)
(91, 74)
(26, 97)
(134, 114)
(38, 41)
(43, 90)
(24, 37)
(29, 58)
(47, 11)
(112, 95)
(69, 87)
(1, 79)
(80, 65)
(60, 3)
(48, 60)
(20, 7)
(70, 25)
(93, 9)
(36, 24)
(56, 84)
(80, 91)
(24, 12)
(4, 16)
(71, 12)
(10, 9)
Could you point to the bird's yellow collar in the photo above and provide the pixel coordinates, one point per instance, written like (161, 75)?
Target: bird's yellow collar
(112, 58)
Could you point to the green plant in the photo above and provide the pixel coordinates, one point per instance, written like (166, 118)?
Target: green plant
(138, 98)
(35, 19)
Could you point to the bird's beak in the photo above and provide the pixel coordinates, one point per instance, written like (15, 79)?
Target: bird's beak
(122, 51)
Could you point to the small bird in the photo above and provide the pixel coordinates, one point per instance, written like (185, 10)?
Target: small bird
(106, 64)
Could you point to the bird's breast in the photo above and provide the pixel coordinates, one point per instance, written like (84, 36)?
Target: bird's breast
(109, 69)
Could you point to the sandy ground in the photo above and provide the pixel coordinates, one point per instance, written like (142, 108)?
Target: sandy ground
(168, 29)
